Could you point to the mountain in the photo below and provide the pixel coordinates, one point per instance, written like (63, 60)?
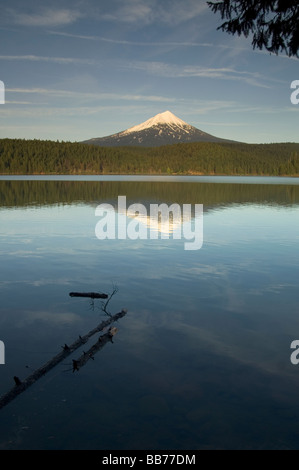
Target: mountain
(162, 129)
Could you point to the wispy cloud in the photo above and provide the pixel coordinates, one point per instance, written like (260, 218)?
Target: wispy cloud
(180, 12)
(76, 95)
(131, 11)
(147, 12)
(137, 12)
(45, 17)
(98, 102)
(57, 60)
(163, 69)
(18, 102)
(146, 43)
(47, 112)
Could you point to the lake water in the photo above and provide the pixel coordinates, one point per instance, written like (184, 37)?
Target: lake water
(202, 358)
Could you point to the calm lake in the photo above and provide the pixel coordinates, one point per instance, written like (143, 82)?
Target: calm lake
(202, 358)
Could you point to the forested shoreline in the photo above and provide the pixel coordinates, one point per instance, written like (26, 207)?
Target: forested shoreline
(20, 156)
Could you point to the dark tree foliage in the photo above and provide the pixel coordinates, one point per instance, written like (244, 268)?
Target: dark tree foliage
(19, 156)
(274, 24)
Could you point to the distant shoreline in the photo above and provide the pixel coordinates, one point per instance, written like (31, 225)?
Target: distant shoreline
(229, 179)
(146, 175)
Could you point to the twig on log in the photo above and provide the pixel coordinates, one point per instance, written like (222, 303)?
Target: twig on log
(90, 295)
(21, 386)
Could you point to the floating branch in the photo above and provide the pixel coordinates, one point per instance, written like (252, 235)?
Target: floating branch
(86, 356)
(21, 386)
(90, 295)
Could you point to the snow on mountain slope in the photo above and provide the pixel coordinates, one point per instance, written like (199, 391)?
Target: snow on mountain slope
(164, 119)
(162, 129)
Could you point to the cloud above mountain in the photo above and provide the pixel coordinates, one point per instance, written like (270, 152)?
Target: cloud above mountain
(170, 12)
(49, 17)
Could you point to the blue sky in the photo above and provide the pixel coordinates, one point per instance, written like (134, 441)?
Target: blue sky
(75, 70)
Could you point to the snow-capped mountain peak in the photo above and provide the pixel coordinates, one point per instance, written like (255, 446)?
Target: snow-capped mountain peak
(162, 129)
(165, 119)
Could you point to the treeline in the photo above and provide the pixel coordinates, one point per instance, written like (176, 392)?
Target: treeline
(19, 156)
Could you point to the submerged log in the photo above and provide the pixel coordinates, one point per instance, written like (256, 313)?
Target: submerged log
(90, 295)
(21, 386)
(86, 356)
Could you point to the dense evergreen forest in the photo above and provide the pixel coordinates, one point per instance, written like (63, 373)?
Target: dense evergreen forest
(18, 156)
